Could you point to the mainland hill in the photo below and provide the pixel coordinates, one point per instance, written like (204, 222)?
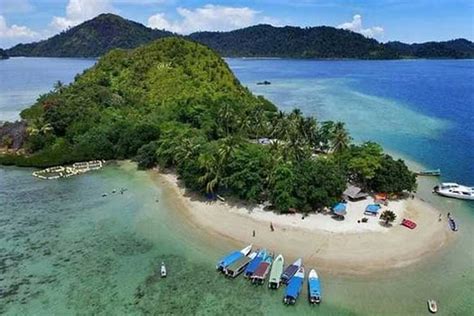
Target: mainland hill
(3, 54)
(92, 38)
(95, 37)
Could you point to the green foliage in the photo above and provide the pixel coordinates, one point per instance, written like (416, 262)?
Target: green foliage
(393, 176)
(146, 156)
(388, 216)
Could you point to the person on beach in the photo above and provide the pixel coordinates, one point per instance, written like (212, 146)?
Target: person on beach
(439, 218)
(253, 233)
(271, 227)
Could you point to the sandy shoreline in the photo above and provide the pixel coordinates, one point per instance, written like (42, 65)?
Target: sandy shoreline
(329, 245)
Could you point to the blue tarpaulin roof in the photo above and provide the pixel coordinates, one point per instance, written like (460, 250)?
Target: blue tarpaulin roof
(314, 287)
(373, 208)
(339, 209)
(294, 287)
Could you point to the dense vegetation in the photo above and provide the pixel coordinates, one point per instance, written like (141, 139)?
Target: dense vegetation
(91, 39)
(107, 31)
(3, 54)
(175, 103)
(290, 41)
(459, 48)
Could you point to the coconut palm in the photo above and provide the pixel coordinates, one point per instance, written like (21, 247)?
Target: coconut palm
(340, 137)
(212, 175)
(388, 216)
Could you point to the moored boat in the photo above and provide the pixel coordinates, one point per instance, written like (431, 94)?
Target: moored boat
(291, 270)
(293, 289)
(454, 190)
(275, 273)
(252, 266)
(239, 266)
(262, 270)
(432, 306)
(433, 172)
(163, 270)
(314, 287)
(452, 224)
(232, 257)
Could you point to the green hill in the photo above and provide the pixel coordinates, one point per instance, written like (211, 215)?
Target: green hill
(458, 48)
(3, 54)
(290, 41)
(118, 105)
(91, 39)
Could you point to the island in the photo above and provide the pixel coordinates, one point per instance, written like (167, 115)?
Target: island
(175, 105)
(3, 54)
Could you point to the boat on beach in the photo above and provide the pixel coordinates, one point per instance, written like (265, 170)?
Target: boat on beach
(432, 306)
(452, 224)
(232, 257)
(252, 266)
(275, 273)
(239, 266)
(454, 190)
(293, 289)
(290, 271)
(262, 270)
(314, 287)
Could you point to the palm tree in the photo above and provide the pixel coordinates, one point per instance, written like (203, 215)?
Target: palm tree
(187, 148)
(388, 216)
(226, 117)
(212, 175)
(340, 137)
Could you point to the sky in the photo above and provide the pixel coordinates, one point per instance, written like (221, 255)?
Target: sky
(24, 21)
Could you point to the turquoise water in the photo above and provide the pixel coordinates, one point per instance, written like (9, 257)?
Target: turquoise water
(64, 249)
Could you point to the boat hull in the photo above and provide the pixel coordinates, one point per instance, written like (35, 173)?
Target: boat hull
(456, 196)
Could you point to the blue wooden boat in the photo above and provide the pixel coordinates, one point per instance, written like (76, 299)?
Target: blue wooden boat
(232, 257)
(293, 289)
(314, 287)
(262, 270)
(252, 266)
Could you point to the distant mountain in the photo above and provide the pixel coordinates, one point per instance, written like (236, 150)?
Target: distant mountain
(289, 41)
(458, 48)
(92, 38)
(3, 54)
(95, 37)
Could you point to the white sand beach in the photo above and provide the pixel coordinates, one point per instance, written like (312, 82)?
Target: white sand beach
(331, 245)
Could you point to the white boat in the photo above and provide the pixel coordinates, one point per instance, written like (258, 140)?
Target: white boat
(163, 270)
(455, 190)
(432, 306)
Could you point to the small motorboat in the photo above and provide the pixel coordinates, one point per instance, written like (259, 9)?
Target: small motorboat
(454, 190)
(314, 288)
(275, 272)
(232, 257)
(433, 172)
(432, 306)
(290, 271)
(239, 266)
(262, 270)
(163, 270)
(293, 289)
(253, 265)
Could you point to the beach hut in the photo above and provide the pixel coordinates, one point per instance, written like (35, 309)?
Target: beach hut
(340, 210)
(354, 193)
(381, 198)
(372, 209)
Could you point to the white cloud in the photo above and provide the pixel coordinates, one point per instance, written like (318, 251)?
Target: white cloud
(77, 11)
(209, 18)
(356, 26)
(12, 34)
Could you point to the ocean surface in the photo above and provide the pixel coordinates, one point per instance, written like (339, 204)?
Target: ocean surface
(66, 250)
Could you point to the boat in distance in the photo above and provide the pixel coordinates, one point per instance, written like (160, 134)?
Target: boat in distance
(252, 266)
(314, 287)
(262, 270)
(275, 273)
(432, 306)
(239, 266)
(290, 271)
(232, 257)
(433, 172)
(163, 270)
(454, 190)
(293, 289)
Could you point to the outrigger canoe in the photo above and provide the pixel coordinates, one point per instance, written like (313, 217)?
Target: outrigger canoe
(262, 270)
(314, 287)
(275, 273)
(252, 266)
(294, 287)
(232, 257)
(239, 266)
(290, 271)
